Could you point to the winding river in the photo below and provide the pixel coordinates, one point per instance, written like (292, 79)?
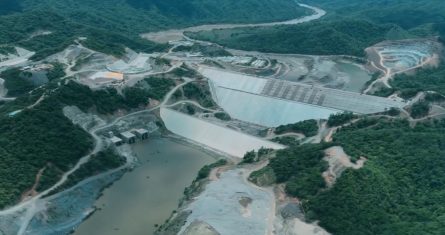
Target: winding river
(177, 34)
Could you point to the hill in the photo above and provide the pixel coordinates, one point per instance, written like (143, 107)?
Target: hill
(407, 14)
(141, 16)
(348, 28)
(111, 25)
(9, 6)
(348, 37)
(398, 191)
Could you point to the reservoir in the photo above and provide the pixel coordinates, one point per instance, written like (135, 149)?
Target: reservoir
(358, 77)
(147, 195)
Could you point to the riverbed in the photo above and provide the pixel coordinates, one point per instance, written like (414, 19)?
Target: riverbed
(178, 34)
(147, 195)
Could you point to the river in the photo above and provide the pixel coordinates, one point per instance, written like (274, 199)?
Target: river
(178, 34)
(147, 195)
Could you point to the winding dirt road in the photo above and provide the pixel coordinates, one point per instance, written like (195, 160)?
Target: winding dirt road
(388, 73)
(33, 205)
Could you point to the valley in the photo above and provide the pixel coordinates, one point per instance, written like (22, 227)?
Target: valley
(192, 131)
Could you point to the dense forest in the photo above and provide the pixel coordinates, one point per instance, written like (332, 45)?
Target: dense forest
(108, 101)
(307, 128)
(98, 163)
(430, 79)
(348, 37)
(15, 82)
(399, 190)
(35, 139)
(9, 6)
(109, 26)
(23, 30)
(139, 16)
(43, 138)
(348, 28)
(408, 14)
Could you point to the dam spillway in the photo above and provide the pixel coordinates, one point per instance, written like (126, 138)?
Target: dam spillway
(217, 137)
(272, 102)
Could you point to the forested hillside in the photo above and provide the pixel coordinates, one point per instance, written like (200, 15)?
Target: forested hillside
(111, 25)
(43, 138)
(424, 80)
(9, 6)
(398, 191)
(348, 28)
(405, 13)
(139, 16)
(348, 37)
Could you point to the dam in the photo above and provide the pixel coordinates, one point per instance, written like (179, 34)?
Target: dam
(259, 100)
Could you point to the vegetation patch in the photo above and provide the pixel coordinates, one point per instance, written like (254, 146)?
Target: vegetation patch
(200, 93)
(420, 109)
(340, 118)
(205, 171)
(4, 50)
(405, 165)
(286, 140)
(15, 82)
(300, 168)
(307, 128)
(223, 116)
(33, 139)
(210, 51)
(348, 37)
(398, 191)
(107, 101)
(424, 80)
(99, 163)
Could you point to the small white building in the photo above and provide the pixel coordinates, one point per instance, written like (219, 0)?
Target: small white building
(141, 134)
(116, 141)
(128, 137)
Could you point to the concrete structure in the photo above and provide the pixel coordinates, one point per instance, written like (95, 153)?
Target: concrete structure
(259, 63)
(141, 134)
(330, 98)
(116, 141)
(128, 137)
(298, 92)
(217, 137)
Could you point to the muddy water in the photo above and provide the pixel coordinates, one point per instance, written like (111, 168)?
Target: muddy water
(357, 76)
(147, 195)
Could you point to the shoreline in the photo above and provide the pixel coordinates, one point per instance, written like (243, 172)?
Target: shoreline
(214, 156)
